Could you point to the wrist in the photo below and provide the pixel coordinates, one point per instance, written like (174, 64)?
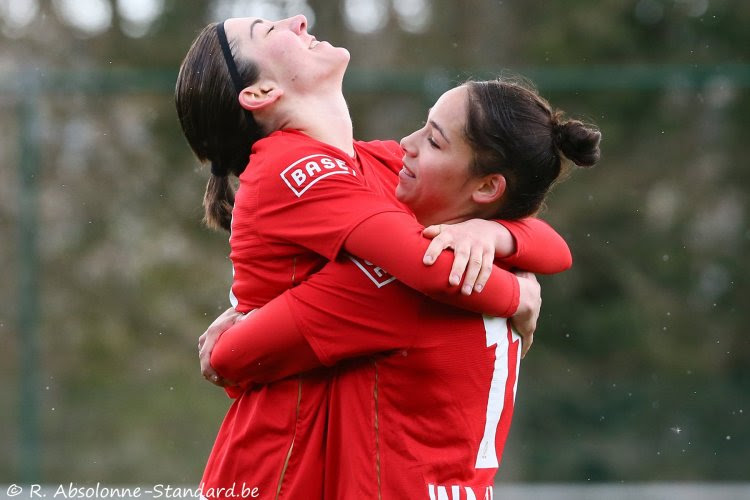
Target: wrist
(526, 302)
(505, 243)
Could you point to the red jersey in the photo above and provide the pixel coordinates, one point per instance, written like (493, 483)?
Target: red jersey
(429, 420)
(299, 200)
(426, 421)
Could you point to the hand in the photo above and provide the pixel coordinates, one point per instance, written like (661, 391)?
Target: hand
(474, 243)
(207, 341)
(530, 303)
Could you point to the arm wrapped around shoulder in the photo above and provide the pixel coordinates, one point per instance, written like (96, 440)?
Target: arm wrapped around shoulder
(264, 346)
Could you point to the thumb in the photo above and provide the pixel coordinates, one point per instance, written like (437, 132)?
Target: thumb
(431, 231)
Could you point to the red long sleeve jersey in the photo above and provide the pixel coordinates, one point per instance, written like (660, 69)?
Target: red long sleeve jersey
(299, 200)
(430, 419)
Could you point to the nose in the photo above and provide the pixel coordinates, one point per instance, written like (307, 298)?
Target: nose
(298, 24)
(406, 144)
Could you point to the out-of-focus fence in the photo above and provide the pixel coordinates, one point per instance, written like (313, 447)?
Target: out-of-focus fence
(27, 89)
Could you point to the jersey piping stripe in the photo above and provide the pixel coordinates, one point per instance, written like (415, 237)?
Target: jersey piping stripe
(377, 430)
(291, 446)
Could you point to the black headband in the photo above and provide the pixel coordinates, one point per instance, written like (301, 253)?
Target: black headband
(231, 65)
(216, 169)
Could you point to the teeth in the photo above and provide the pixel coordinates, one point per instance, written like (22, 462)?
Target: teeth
(313, 44)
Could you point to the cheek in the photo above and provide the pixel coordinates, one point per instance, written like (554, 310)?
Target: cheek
(433, 188)
(444, 176)
(282, 49)
(444, 186)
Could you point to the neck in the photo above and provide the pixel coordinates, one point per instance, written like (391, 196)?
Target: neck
(440, 218)
(450, 215)
(324, 118)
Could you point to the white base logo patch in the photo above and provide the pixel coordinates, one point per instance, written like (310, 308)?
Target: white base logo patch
(303, 173)
(377, 275)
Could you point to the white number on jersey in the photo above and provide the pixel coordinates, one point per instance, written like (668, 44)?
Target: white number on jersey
(497, 335)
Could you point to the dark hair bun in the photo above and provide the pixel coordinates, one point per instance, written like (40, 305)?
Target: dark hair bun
(578, 142)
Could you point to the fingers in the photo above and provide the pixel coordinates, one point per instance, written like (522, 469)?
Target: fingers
(243, 317)
(431, 231)
(473, 269)
(478, 270)
(218, 381)
(473, 256)
(527, 276)
(230, 312)
(488, 258)
(525, 320)
(460, 261)
(209, 373)
(437, 245)
(526, 344)
(207, 341)
(524, 325)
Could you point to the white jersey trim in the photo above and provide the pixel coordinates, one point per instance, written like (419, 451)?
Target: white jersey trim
(367, 272)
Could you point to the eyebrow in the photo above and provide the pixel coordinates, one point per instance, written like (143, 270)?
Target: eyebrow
(439, 129)
(253, 26)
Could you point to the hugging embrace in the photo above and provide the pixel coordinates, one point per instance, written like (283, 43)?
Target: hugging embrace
(365, 360)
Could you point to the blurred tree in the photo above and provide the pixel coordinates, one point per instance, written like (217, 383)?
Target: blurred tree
(640, 368)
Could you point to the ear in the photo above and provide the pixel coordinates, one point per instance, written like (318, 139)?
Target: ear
(260, 95)
(490, 189)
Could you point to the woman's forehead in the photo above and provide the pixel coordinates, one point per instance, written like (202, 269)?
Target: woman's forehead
(247, 26)
(450, 107)
(453, 98)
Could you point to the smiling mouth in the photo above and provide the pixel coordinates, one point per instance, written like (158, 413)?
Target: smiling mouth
(406, 172)
(314, 43)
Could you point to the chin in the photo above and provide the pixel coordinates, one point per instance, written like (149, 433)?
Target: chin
(400, 194)
(344, 56)
(342, 61)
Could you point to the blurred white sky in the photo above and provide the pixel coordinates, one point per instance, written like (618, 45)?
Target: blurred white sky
(93, 17)
(89, 17)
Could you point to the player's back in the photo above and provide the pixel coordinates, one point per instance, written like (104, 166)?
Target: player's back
(446, 405)
(429, 418)
(424, 419)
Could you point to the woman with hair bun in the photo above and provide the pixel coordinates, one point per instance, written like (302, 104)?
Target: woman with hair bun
(262, 100)
(425, 408)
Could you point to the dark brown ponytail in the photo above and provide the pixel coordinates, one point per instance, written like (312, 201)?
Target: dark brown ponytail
(218, 129)
(514, 131)
(218, 202)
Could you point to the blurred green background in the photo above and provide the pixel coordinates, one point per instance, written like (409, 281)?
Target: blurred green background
(641, 366)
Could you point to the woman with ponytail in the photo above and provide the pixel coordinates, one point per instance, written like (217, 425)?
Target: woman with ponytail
(262, 101)
(264, 96)
(433, 417)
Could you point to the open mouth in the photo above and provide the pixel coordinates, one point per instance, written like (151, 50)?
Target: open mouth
(314, 43)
